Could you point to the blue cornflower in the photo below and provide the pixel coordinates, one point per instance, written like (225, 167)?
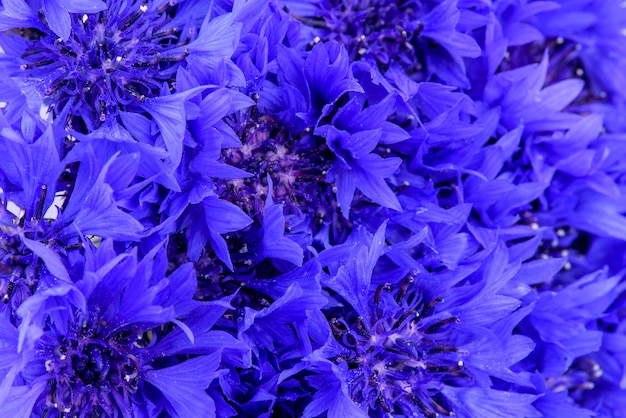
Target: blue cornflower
(109, 344)
(345, 150)
(108, 71)
(279, 140)
(102, 59)
(429, 344)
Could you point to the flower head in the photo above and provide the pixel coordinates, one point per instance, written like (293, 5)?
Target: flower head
(89, 65)
(100, 346)
(421, 349)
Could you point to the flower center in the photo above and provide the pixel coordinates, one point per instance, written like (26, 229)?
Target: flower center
(297, 164)
(579, 377)
(90, 373)
(378, 29)
(402, 356)
(112, 60)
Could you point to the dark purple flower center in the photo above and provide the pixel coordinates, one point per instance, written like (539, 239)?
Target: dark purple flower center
(380, 29)
(268, 148)
(297, 164)
(401, 358)
(111, 60)
(91, 374)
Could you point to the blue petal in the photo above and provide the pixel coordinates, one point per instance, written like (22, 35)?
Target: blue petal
(99, 214)
(21, 399)
(17, 12)
(331, 396)
(476, 402)
(184, 386)
(222, 216)
(353, 279)
(58, 18)
(37, 165)
(217, 41)
(369, 179)
(273, 243)
(181, 289)
(169, 114)
(83, 6)
(50, 258)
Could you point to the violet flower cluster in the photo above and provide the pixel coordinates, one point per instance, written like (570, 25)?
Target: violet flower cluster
(312, 208)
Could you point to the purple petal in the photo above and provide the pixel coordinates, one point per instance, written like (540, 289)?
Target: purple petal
(169, 114)
(50, 258)
(21, 399)
(58, 18)
(83, 6)
(184, 386)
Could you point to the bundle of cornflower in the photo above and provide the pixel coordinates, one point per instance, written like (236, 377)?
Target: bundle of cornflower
(309, 208)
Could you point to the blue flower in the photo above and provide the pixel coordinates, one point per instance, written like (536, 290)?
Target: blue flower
(109, 71)
(425, 345)
(102, 60)
(108, 337)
